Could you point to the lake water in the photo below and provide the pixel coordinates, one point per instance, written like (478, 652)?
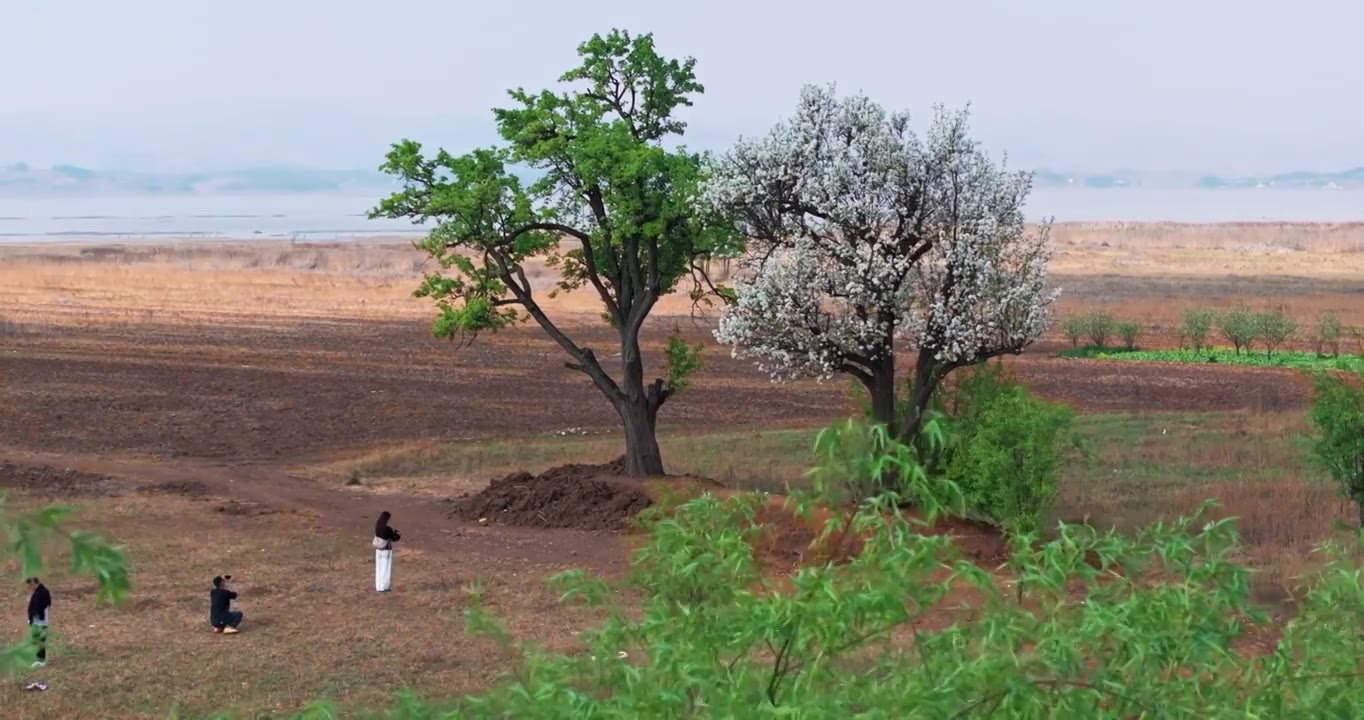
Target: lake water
(332, 217)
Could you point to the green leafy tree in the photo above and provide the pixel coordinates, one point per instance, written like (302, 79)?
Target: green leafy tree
(1338, 416)
(615, 209)
(1099, 328)
(1274, 328)
(1197, 325)
(28, 534)
(1128, 332)
(1328, 334)
(1074, 329)
(1238, 326)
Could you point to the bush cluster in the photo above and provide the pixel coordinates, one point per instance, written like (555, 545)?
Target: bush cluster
(1097, 328)
(1240, 326)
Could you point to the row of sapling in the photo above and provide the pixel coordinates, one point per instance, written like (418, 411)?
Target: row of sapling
(1271, 329)
(1242, 328)
(1097, 328)
(863, 237)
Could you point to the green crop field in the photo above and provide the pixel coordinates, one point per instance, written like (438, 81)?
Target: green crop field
(1288, 359)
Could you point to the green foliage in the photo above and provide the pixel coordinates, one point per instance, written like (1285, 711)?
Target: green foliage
(617, 209)
(1074, 329)
(857, 460)
(1328, 334)
(1006, 449)
(1338, 416)
(609, 180)
(1302, 360)
(1128, 332)
(28, 534)
(683, 361)
(1239, 327)
(1195, 329)
(1098, 327)
(1089, 626)
(1274, 328)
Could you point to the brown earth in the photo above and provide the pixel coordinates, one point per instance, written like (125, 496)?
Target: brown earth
(52, 482)
(585, 497)
(291, 392)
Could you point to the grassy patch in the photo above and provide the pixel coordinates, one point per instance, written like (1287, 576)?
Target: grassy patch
(1258, 358)
(754, 460)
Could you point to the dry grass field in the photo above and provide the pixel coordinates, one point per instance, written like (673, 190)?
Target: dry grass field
(248, 408)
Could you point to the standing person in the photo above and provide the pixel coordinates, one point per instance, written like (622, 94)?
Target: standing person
(39, 616)
(220, 613)
(384, 537)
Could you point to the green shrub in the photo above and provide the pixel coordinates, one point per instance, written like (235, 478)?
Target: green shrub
(1005, 448)
(1098, 327)
(1238, 327)
(1338, 416)
(1274, 328)
(1129, 332)
(1328, 334)
(1074, 329)
(1197, 326)
(1160, 633)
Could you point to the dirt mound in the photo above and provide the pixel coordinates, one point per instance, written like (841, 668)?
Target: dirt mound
(53, 482)
(584, 497)
(786, 541)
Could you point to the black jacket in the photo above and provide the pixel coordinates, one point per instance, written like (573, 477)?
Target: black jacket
(219, 605)
(384, 532)
(38, 605)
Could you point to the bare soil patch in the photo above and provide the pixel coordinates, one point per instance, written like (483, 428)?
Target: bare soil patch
(53, 482)
(185, 488)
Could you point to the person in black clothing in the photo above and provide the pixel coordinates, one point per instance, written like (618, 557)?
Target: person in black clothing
(220, 613)
(39, 616)
(384, 537)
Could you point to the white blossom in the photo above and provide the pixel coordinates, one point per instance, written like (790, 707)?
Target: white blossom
(862, 235)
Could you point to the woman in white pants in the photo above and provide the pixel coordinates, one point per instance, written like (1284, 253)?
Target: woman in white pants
(384, 537)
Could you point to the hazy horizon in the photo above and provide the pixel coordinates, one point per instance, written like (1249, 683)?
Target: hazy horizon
(1218, 86)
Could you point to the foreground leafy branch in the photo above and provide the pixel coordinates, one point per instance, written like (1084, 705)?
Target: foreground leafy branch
(28, 534)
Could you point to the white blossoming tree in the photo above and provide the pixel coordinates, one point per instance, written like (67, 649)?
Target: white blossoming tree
(866, 240)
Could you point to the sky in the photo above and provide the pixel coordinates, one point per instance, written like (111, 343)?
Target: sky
(1227, 86)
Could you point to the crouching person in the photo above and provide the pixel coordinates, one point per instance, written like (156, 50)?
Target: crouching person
(220, 613)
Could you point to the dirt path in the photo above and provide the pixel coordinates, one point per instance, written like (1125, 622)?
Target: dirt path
(423, 522)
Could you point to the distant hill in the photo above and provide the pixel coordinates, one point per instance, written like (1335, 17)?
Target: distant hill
(21, 179)
(1353, 178)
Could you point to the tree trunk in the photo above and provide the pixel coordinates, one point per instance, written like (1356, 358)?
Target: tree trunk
(638, 410)
(880, 386)
(926, 379)
(642, 455)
